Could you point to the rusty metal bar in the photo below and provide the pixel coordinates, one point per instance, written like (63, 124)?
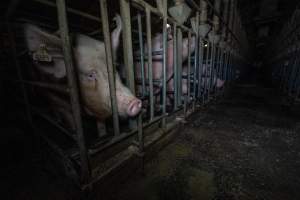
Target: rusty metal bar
(74, 95)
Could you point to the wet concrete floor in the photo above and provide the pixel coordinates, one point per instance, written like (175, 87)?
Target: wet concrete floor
(246, 146)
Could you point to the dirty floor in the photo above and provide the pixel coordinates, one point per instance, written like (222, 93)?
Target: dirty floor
(243, 147)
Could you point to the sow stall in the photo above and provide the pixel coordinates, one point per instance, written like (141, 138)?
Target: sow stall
(216, 48)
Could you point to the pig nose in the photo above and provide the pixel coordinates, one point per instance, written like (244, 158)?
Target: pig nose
(134, 107)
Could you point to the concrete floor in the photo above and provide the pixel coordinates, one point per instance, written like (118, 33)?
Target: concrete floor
(243, 147)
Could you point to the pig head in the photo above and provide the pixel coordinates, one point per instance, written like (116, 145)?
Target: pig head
(90, 61)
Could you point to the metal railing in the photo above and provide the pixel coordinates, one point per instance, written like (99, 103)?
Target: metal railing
(206, 63)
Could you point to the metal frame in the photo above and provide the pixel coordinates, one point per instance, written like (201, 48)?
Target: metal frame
(221, 61)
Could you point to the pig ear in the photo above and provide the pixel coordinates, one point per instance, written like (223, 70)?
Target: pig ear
(34, 37)
(115, 35)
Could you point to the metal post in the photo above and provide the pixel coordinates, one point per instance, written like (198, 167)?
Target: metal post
(165, 63)
(110, 67)
(200, 66)
(196, 61)
(178, 79)
(175, 66)
(127, 44)
(74, 93)
(127, 50)
(149, 49)
(142, 56)
(189, 68)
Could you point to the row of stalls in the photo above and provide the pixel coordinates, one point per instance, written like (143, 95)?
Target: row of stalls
(165, 46)
(285, 59)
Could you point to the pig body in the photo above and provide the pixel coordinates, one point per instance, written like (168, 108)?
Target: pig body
(206, 79)
(90, 61)
(157, 62)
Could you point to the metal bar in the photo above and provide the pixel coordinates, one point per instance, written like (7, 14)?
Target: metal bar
(212, 66)
(189, 68)
(55, 87)
(206, 72)
(127, 44)
(219, 53)
(142, 5)
(96, 149)
(67, 52)
(165, 63)
(54, 123)
(127, 50)
(19, 72)
(196, 60)
(200, 74)
(141, 44)
(178, 78)
(70, 10)
(149, 49)
(110, 66)
(175, 64)
(140, 132)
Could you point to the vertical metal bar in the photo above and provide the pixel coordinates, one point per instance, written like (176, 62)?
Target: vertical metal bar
(200, 67)
(175, 66)
(140, 132)
(220, 69)
(165, 62)
(127, 44)
(142, 61)
(189, 68)
(19, 72)
(179, 66)
(196, 61)
(127, 50)
(216, 70)
(149, 48)
(206, 71)
(110, 66)
(74, 94)
(212, 64)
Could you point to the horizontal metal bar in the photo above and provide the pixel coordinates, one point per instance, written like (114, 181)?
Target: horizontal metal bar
(56, 87)
(123, 136)
(54, 123)
(71, 10)
(142, 5)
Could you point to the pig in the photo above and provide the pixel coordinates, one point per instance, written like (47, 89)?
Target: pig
(206, 79)
(90, 62)
(157, 61)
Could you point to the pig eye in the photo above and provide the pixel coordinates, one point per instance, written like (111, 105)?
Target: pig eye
(92, 75)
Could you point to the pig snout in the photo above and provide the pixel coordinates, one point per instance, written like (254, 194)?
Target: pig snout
(134, 107)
